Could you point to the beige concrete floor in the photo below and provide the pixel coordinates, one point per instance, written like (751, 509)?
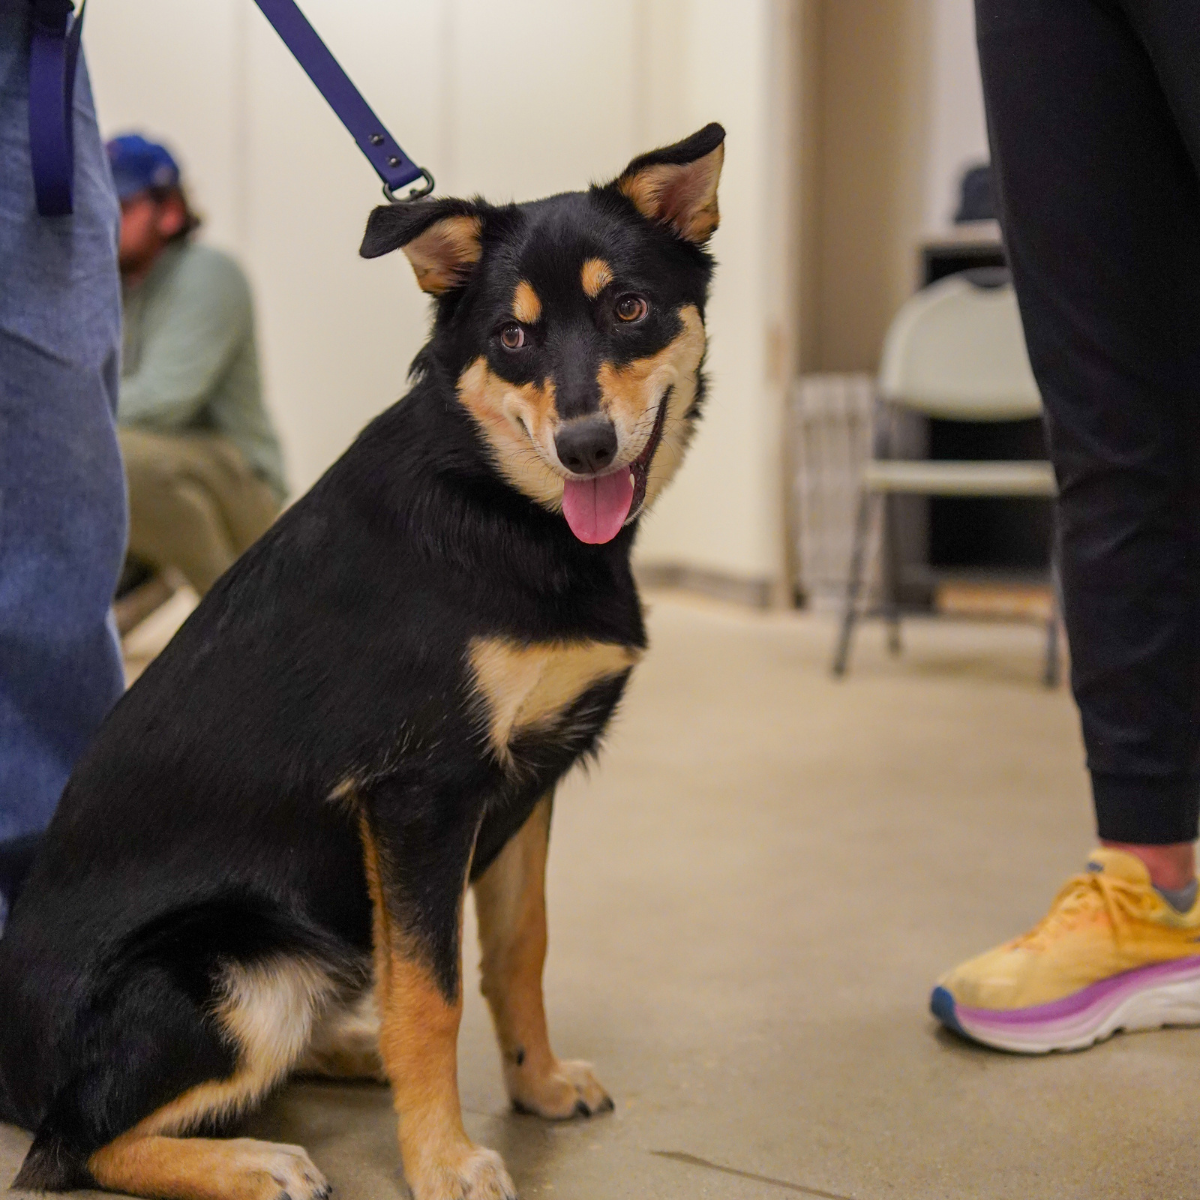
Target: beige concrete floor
(749, 900)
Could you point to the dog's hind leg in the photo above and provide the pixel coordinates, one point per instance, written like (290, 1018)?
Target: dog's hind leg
(163, 1064)
(345, 1042)
(510, 901)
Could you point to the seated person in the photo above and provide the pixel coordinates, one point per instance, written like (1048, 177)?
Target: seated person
(203, 463)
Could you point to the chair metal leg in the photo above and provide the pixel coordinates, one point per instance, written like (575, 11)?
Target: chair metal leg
(891, 573)
(1050, 677)
(841, 657)
(894, 645)
(1052, 673)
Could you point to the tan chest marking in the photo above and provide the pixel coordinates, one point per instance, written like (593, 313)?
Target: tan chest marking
(524, 686)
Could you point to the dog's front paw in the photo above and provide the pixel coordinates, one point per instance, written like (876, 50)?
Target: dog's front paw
(476, 1174)
(269, 1170)
(568, 1089)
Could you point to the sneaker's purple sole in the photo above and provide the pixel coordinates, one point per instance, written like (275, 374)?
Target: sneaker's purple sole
(1146, 998)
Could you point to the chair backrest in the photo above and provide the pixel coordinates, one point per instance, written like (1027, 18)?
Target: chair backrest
(957, 351)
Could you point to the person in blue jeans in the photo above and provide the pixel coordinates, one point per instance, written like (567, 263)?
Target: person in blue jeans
(62, 489)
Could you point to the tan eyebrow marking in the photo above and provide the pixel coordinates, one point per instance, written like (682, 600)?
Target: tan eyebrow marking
(595, 276)
(526, 307)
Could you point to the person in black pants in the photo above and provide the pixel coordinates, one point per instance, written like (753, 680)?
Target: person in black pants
(1094, 120)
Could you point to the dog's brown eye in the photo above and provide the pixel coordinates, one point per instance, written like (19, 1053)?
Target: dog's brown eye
(512, 337)
(631, 308)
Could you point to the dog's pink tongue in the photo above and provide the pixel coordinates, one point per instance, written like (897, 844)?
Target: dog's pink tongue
(596, 508)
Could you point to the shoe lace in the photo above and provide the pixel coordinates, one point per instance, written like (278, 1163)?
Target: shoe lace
(1123, 902)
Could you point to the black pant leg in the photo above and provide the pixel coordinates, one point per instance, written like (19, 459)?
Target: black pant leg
(1101, 212)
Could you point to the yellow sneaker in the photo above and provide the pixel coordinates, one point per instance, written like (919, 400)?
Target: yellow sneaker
(1111, 954)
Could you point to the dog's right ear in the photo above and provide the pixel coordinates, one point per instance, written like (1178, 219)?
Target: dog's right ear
(440, 237)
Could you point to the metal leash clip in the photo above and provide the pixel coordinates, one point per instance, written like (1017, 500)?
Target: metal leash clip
(416, 194)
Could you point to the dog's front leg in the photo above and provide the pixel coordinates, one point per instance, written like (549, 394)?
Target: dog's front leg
(510, 901)
(417, 873)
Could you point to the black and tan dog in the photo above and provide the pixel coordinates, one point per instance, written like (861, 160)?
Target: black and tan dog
(271, 837)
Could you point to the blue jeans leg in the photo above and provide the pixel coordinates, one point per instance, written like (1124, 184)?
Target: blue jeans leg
(62, 489)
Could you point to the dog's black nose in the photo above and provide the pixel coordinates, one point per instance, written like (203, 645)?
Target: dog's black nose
(586, 445)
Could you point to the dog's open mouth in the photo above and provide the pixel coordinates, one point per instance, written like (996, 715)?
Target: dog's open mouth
(596, 509)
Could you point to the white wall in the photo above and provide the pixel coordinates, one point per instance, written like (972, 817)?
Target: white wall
(957, 126)
(511, 100)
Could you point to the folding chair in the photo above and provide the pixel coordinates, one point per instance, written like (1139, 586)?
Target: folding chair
(955, 351)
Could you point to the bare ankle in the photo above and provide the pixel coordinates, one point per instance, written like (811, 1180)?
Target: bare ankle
(1171, 866)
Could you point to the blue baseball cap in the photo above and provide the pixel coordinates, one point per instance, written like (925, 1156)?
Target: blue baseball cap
(138, 164)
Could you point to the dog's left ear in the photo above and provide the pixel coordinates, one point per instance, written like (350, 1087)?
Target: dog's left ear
(677, 185)
(440, 237)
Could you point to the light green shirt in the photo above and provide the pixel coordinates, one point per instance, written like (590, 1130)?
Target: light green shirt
(190, 362)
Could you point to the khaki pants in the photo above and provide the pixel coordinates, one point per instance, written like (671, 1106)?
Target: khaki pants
(194, 502)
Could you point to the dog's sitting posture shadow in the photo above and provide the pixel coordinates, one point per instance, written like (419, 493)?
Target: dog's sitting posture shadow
(270, 840)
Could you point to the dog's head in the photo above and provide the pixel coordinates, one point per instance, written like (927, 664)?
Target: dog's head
(574, 326)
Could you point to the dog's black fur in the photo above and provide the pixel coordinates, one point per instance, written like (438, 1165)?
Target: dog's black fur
(205, 824)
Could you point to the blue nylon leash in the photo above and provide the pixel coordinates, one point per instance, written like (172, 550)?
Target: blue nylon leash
(383, 152)
(53, 54)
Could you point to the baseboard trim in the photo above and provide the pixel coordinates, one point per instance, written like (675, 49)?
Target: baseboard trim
(733, 589)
